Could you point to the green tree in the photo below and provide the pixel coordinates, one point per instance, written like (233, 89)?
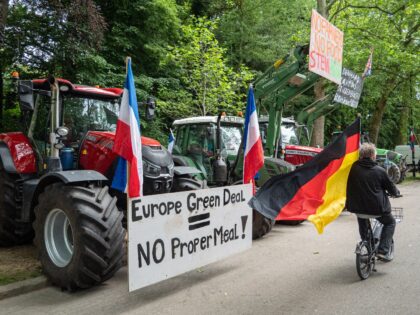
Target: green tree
(4, 5)
(52, 36)
(391, 28)
(257, 33)
(141, 29)
(200, 65)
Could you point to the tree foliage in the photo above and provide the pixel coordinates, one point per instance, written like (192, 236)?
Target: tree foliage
(199, 63)
(391, 29)
(196, 57)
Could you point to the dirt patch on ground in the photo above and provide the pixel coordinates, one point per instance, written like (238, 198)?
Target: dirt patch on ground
(18, 263)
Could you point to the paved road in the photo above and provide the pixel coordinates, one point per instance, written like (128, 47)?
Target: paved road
(291, 271)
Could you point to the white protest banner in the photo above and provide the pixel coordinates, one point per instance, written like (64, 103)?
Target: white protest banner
(170, 234)
(350, 89)
(326, 48)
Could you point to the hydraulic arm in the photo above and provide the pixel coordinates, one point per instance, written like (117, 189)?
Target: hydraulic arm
(309, 114)
(284, 80)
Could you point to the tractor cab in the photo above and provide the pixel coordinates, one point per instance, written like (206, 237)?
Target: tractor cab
(290, 133)
(293, 141)
(85, 121)
(196, 143)
(81, 109)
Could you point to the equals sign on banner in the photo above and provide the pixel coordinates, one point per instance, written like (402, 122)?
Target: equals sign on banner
(198, 221)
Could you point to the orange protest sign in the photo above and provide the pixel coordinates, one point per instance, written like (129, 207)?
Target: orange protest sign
(326, 48)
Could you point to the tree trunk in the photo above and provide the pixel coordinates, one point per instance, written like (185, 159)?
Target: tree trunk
(376, 121)
(4, 5)
(317, 138)
(401, 136)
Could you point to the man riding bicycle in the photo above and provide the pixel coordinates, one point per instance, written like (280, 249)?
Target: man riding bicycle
(367, 188)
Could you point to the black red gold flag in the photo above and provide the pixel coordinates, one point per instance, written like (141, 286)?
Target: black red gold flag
(317, 190)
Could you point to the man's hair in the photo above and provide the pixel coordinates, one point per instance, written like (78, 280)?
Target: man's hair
(367, 150)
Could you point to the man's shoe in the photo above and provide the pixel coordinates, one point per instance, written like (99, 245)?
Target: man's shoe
(383, 257)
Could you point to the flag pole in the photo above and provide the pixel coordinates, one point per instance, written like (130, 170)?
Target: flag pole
(413, 145)
(127, 61)
(128, 207)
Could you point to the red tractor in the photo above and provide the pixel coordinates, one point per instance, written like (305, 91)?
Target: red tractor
(55, 180)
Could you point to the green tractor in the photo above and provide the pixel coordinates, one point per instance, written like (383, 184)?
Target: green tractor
(394, 163)
(213, 146)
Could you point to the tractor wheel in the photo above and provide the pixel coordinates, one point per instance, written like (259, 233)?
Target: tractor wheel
(260, 225)
(394, 172)
(12, 232)
(79, 235)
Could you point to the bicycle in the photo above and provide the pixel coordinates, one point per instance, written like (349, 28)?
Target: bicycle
(366, 250)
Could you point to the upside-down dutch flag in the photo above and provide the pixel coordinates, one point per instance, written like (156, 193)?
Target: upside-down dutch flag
(127, 143)
(317, 190)
(368, 67)
(253, 149)
(412, 139)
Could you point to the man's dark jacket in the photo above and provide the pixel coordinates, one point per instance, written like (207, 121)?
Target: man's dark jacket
(366, 188)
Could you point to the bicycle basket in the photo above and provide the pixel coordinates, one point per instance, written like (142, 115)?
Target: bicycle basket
(397, 213)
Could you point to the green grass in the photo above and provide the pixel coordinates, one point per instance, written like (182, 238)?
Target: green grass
(410, 179)
(18, 263)
(18, 276)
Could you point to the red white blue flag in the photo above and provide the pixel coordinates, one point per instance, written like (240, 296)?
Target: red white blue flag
(412, 139)
(253, 149)
(171, 141)
(368, 67)
(127, 143)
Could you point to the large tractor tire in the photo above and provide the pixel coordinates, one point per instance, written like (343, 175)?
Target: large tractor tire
(394, 172)
(12, 231)
(260, 225)
(79, 235)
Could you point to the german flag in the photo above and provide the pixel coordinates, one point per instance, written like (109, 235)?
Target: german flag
(317, 190)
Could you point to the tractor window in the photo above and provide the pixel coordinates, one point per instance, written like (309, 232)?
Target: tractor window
(180, 135)
(231, 139)
(288, 134)
(200, 140)
(263, 133)
(83, 114)
(40, 125)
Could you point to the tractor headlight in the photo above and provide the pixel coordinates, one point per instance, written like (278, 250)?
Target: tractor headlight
(62, 131)
(151, 169)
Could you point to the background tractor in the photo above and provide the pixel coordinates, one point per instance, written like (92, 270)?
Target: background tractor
(213, 145)
(55, 177)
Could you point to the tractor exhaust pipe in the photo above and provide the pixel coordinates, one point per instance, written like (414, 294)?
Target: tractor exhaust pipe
(53, 161)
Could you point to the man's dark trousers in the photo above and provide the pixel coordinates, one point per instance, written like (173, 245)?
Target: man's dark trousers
(387, 232)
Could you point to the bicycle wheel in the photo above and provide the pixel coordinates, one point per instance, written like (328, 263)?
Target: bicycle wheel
(364, 264)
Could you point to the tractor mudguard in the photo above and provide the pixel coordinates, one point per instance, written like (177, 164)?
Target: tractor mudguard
(185, 183)
(186, 170)
(33, 187)
(184, 179)
(20, 152)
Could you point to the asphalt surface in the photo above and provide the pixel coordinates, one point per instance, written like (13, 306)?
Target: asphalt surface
(293, 270)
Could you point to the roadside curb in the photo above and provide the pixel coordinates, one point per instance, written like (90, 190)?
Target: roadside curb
(22, 287)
